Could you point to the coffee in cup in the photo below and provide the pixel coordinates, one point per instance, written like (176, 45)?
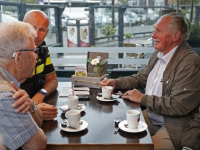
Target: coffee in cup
(133, 118)
(72, 102)
(107, 92)
(73, 117)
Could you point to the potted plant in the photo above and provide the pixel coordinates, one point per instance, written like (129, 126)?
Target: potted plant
(194, 33)
(123, 2)
(128, 36)
(108, 31)
(97, 63)
(193, 29)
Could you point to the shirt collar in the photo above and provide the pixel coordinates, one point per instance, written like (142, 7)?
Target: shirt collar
(11, 77)
(166, 58)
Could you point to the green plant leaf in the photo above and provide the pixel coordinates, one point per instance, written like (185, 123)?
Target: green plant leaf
(108, 31)
(103, 62)
(128, 35)
(89, 60)
(193, 29)
(93, 46)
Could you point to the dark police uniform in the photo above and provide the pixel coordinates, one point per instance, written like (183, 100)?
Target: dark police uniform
(43, 68)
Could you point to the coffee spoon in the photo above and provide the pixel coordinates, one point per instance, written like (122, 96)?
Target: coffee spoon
(66, 125)
(126, 125)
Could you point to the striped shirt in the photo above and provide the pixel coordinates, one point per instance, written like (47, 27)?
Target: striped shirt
(154, 83)
(16, 129)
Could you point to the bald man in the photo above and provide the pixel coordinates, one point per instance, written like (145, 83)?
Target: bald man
(44, 80)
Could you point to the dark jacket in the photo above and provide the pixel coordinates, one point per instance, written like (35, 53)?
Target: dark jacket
(181, 90)
(191, 136)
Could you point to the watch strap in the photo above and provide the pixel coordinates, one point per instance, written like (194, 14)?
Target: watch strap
(43, 93)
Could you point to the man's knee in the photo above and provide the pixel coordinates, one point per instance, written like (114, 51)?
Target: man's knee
(162, 141)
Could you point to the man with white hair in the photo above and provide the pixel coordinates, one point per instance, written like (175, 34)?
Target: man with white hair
(18, 56)
(171, 79)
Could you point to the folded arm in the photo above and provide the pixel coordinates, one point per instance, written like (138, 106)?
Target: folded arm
(23, 104)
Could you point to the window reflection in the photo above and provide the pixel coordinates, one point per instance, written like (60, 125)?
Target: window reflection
(139, 18)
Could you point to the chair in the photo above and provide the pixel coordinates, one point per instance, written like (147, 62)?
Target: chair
(133, 55)
(90, 68)
(130, 54)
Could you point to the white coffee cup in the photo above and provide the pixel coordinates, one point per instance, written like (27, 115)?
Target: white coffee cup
(133, 118)
(107, 91)
(73, 117)
(72, 102)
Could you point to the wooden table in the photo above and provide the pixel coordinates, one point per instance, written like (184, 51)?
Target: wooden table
(101, 126)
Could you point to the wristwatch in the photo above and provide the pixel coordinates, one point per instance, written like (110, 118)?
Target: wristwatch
(43, 92)
(34, 106)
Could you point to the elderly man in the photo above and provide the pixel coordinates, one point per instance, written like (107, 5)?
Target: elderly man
(171, 79)
(44, 80)
(18, 58)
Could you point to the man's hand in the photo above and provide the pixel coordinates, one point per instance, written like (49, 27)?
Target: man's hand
(108, 82)
(23, 103)
(133, 95)
(49, 112)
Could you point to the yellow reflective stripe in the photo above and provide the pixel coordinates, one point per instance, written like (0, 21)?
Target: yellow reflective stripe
(50, 73)
(39, 69)
(39, 60)
(33, 72)
(48, 61)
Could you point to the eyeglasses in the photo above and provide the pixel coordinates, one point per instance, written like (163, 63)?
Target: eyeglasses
(35, 50)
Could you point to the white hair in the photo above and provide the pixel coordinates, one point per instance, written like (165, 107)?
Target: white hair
(14, 36)
(178, 24)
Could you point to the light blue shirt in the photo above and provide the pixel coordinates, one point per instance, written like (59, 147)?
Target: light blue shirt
(16, 129)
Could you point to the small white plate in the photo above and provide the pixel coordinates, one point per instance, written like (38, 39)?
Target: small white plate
(82, 127)
(105, 100)
(65, 107)
(141, 127)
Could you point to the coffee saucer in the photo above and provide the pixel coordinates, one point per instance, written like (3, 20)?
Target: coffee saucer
(81, 127)
(65, 108)
(141, 127)
(105, 100)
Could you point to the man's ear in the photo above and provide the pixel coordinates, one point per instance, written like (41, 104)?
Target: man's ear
(177, 36)
(18, 59)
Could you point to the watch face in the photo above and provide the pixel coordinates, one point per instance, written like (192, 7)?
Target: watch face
(43, 90)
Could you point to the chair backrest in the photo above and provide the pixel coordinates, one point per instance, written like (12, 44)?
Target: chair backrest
(129, 45)
(90, 68)
(130, 54)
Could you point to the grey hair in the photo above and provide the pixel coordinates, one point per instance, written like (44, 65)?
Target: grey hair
(14, 36)
(178, 24)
